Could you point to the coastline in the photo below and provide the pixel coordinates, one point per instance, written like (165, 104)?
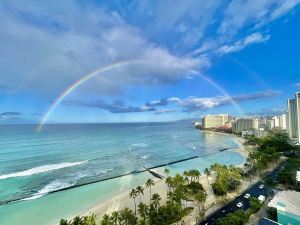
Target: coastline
(122, 199)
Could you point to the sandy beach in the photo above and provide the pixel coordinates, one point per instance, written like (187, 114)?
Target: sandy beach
(122, 200)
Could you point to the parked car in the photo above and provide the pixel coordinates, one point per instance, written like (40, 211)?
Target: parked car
(261, 186)
(247, 195)
(261, 198)
(239, 204)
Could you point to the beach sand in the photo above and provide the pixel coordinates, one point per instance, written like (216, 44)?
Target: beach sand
(123, 200)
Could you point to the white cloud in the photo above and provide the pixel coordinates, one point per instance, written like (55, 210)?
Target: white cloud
(195, 103)
(45, 47)
(253, 38)
(53, 50)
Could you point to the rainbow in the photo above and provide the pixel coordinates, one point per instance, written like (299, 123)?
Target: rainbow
(110, 67)
(78, 83)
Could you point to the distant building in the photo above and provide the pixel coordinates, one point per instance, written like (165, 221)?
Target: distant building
(293, 118)
(245, 124)
(282, 121)
(260, 133)
(287, 204)
(215, 121)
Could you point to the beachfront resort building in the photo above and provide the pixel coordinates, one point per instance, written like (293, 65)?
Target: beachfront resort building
(293, 118)
(215, 121)
(287, 204)
(245, 124)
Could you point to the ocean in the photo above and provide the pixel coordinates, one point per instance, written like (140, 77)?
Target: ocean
(34, 164)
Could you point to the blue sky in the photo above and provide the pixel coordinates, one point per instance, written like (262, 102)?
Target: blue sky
(195, 57)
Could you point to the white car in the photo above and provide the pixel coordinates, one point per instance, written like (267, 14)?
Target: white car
(261, 186)
(239, 204)
(247, 195)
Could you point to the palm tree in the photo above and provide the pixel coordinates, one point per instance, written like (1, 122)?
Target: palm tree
(143, 210)
(169, 183)
(127, 216)
(140, 192)
(167, 172)
(133, 194)
(90, 220)
(186, 174)
(207, 173)
(149, 183)
(105, 220)
(115, 216)
(156, 198)
(197, 174)
(77, 220)
(201, 198)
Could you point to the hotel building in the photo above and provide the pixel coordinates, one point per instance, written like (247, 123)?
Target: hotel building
(214, 121)
(293, 118)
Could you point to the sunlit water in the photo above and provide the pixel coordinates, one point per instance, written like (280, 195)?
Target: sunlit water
(34, 164)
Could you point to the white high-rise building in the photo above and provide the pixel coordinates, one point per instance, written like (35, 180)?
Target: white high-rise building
(245, 124)
(282, 121)
(294, 117)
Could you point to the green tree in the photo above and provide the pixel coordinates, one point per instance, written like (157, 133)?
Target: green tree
(133, 194)
(219, 188)
(200, 199)
(143, 210)
(156, 200)
(207, 173)
(255, 205)
(149, 183)
(140, 191)
(115, 217)
(106, 220)
(128, 217)
(89, 220)
(64, 222)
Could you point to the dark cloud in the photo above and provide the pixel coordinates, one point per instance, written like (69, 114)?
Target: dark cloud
(161, 102)
(164, 111)
(11, 114)
(116, 106)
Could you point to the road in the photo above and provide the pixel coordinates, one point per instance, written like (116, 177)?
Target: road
(254, 191)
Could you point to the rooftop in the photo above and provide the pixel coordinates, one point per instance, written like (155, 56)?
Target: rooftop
(290, 200)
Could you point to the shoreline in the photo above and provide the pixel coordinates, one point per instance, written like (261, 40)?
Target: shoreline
(122, 199)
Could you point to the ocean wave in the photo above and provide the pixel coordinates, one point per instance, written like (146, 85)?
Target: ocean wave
(190, 145)
(145, 156)
(140, 145)
(59, 184)
(40, 169)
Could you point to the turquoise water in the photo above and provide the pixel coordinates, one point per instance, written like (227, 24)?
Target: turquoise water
(34, 164)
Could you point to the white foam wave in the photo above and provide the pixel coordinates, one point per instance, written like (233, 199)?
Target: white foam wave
(140, 145)
(40, 169)
(63, 183)
(190, 145)
(145, 157)
(52, 186)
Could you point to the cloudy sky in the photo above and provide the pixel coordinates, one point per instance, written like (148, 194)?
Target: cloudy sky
(149, 60)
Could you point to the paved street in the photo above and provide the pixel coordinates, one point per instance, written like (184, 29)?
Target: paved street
(254, 191)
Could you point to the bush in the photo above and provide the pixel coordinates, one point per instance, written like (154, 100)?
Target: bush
(239, 217)
(255, 205)
(219, 188)
(195, 187)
